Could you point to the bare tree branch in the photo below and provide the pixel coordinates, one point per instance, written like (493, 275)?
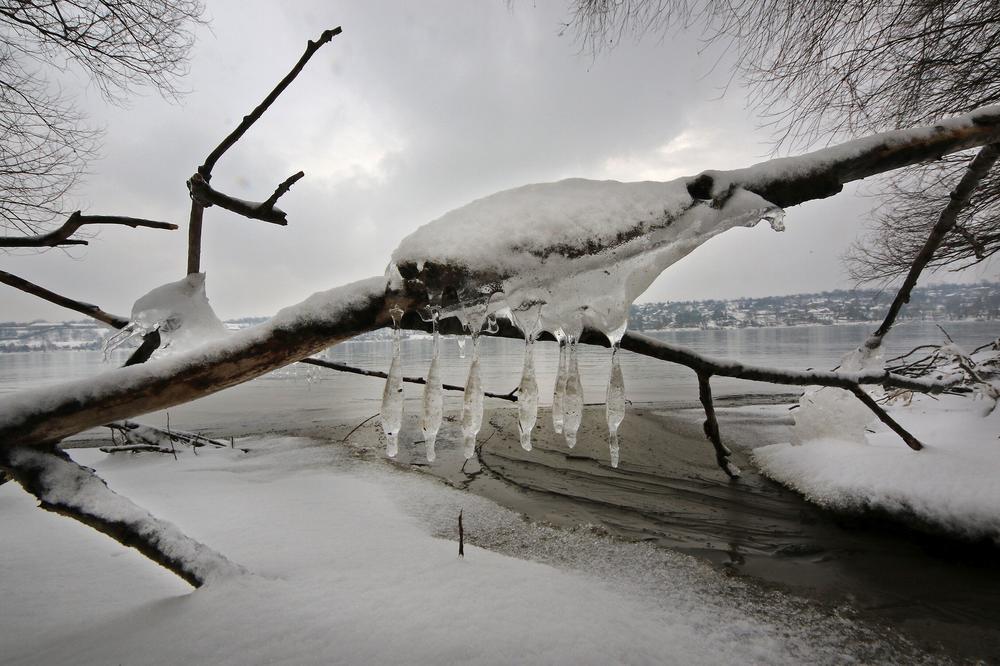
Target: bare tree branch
(959, 199)
(340, 367)
(711, 427)
(249, 119)
(52, 297)
(61, 236)
(203, 195)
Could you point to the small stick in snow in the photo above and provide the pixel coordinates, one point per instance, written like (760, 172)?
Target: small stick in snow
(461, 536)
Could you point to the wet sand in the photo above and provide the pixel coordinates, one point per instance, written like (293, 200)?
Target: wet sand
(939, 593)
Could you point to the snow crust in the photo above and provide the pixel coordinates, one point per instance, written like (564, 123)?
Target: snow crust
(357, 564)
(951, 484)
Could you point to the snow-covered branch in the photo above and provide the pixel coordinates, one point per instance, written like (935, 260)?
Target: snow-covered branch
(66, 488)
(37, 417)
(44, 416)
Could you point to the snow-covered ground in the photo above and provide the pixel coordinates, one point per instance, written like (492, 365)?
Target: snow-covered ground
(952, 484)
(356, 562)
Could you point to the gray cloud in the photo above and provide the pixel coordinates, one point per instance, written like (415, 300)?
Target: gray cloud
(414, 110)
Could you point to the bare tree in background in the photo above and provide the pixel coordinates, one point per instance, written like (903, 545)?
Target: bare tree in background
(829, 68)
(45, 142)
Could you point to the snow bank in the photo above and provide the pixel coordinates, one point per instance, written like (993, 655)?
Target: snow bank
(345, 574)
(952, 484)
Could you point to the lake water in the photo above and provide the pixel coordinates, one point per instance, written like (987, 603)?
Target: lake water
(647, 380)
(668, 490)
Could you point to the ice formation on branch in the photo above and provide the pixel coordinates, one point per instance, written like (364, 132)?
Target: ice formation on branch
(582, 250)
(392, 396)
(180, 311)
(833, 413)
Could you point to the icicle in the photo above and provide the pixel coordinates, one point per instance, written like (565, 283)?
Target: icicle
(527, 316)
(461, 346)
(614, 408)
(472, 402)
(559, 394)
(433, 399)
(573, 399)
(527, 395)
(392, 396)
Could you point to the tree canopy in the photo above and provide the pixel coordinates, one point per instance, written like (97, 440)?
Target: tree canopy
(45, 141)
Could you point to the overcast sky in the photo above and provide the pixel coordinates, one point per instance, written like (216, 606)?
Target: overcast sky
(417, 108)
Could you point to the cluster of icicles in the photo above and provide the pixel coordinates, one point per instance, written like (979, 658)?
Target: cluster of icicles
(567, 399)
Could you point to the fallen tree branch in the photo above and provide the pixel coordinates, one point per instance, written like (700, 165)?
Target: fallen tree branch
(66, 488)
(340, 367)
(141, 434)
(342, 313)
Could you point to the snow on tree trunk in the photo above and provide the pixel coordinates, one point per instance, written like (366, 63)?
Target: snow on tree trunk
(64, 487)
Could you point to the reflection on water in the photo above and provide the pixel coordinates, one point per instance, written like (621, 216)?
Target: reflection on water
(646, 380)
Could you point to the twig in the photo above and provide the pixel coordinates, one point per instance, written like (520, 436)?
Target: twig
(355, 429)
(883, 416)
(340, 367)
(461, 535)
(249, 119)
